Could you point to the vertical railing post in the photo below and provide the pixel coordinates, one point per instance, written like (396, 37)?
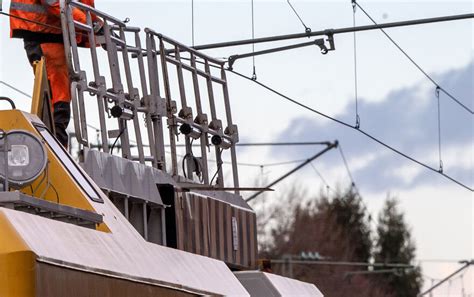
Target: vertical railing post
(146, 100)
(185, 113)
(133, 97)
(155, 102)
(99, 82)
(117, 88)
(215, 123)
(230, 127)
(201, 119)
(172, 126)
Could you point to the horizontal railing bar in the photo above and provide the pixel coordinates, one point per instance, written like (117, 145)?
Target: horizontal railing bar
(198, 71)
(97, 12)
(82, 26)
(127, 28)
(184, 47)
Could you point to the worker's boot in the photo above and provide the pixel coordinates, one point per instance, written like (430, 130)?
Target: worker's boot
(62, 114)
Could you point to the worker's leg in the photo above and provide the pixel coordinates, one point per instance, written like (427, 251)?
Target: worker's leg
(33, 51)
(58, 77)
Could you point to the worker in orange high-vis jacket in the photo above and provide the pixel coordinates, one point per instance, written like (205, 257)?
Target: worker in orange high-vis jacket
(38, 23)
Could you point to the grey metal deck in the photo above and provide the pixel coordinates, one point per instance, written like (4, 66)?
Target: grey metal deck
(22, 202)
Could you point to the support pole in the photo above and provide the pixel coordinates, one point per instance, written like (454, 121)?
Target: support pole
(329, 147)
(336, 31)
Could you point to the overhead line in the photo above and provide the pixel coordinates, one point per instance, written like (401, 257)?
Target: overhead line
(306, 28)
(414, 63)
(352, 127)
(341, 263)
(347, 166)
(320, 176)
(329, 147)
(283, 143)
(15, 89)
(300, 143)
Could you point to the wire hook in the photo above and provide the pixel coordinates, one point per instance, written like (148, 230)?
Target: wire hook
(254, 75)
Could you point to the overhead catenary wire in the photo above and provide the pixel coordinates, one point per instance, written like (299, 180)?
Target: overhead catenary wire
(317, 155)
(353, 127)
(29, 96)
(306, 28)
(329, 117)
(375, 139)
(414, 62)
(354, 186)
(439, 130)
(31, 21)
(192, 22)
(254, 74)
(15, 89)
(357, 117)
(346, 165)
(37, 23)
(320, 176)
(341, 263)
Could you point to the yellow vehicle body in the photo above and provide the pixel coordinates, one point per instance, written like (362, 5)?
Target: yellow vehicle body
(44, 257)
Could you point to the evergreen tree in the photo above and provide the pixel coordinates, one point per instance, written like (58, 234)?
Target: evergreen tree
(394, 245)
(337, 228)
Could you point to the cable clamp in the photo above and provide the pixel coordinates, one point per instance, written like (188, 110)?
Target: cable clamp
(230, 62)
(357, 125)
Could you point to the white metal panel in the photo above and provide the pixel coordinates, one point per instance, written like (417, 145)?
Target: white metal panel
(122, 254)
(263, 284)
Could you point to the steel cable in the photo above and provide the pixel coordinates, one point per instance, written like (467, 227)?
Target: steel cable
(375, 139)
(357, 119)
(414, 63)
(439, 131)
(254, 75)
(306, 28)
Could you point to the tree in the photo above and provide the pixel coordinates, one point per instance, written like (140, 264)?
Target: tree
(394, 245)
(337, 228)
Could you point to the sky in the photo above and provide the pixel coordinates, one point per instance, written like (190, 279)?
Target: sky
(397, 104)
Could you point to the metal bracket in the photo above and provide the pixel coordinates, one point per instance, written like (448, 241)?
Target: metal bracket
(322, 43)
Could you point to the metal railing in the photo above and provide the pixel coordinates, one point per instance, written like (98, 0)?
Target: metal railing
(124, 95)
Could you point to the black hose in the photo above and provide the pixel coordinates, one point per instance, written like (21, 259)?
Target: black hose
(9, 100)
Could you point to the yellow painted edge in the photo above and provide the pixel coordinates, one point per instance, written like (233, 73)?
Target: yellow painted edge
(17, 263)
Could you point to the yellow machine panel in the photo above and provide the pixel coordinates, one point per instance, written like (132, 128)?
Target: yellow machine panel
(17, 263)
(44, 254)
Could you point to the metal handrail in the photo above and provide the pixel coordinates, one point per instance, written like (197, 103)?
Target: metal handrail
(130, 101)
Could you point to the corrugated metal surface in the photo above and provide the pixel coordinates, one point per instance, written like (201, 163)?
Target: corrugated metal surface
(211, 227)
(55, 281)
(263, 284)
(122, 254)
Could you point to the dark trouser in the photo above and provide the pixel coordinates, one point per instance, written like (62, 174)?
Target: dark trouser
(62, 115)
(58, 80)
